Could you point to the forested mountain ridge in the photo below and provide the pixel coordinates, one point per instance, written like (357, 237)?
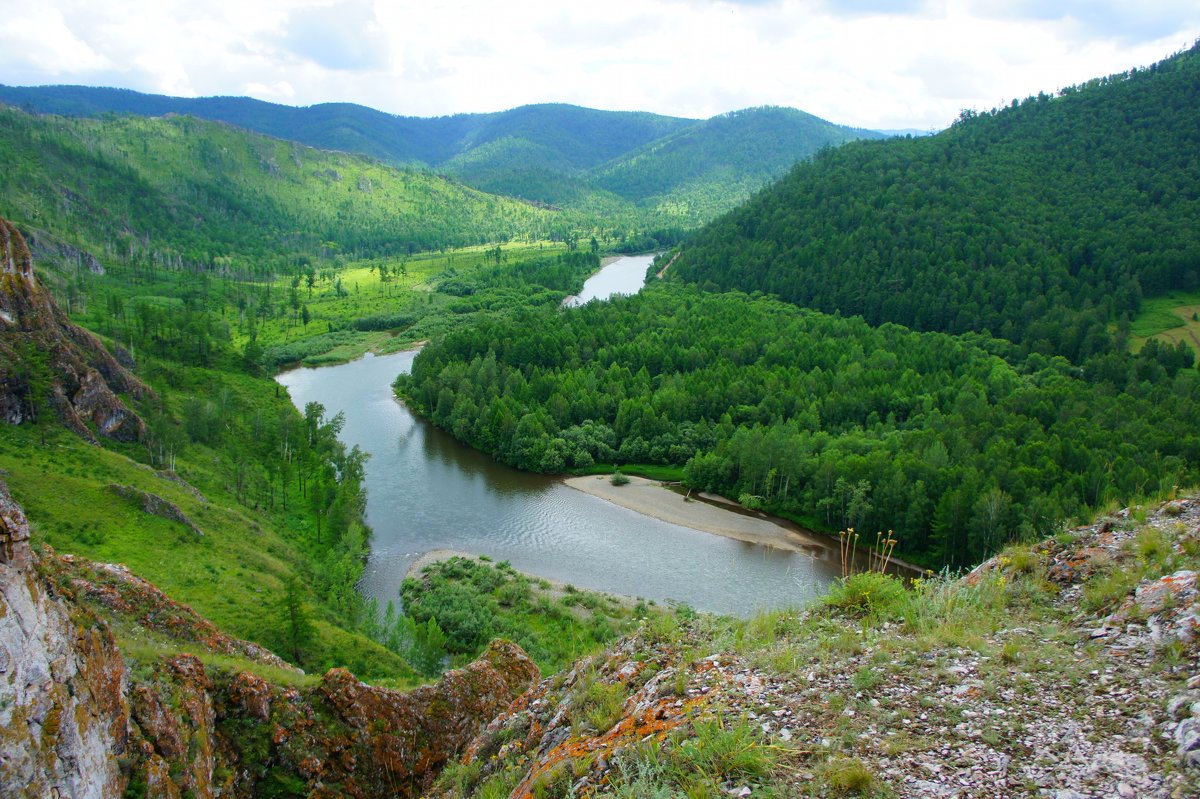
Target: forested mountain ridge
(694, 170)
(584, 136)
(670, 171)
(1042, 222)
(189, 190)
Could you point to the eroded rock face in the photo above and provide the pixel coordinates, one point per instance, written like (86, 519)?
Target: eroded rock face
(63, 713)
(409, 736)
(76, 722)
(41, 350)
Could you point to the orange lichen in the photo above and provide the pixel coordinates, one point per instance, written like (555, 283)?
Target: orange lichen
(653, 723)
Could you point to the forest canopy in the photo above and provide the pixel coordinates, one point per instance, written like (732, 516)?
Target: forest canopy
(957, 443)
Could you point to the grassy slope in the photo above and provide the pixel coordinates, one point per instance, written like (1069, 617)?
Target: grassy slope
(232, 575)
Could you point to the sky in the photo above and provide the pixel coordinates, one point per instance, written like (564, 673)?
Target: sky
(867, 63)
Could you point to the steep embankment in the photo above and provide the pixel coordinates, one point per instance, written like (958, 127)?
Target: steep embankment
(1070, 668)
(111, 689)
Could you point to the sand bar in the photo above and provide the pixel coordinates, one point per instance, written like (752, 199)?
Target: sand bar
(652, 498)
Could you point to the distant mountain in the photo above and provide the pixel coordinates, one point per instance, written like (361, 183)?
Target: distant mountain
(708, 167)
(1042, 222)
(181, 190)
(659, 169)
(582, 137)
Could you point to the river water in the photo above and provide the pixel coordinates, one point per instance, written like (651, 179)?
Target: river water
(622, 276)
(427, 491)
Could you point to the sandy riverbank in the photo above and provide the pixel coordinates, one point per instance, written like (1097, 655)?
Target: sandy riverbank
(651, 498)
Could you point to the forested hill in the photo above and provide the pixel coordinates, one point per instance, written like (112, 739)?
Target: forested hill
(186, 190)
(665, 171)
(956, 444)
(584, 136)
(737, 153)
(686, 177)
(1041, 222)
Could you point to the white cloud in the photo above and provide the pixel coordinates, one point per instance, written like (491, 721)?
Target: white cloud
(871, 63)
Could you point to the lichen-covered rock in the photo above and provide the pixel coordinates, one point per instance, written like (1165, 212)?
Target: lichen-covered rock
(121, 592)
(63, 712)
(79, 378)
(409, 736)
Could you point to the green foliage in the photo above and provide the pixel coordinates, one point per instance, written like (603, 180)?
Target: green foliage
(619, 479)
(703, 170)
(848, 777)
(474, 601)
(1034, 221)
(602, 705)
(957, 444)
(294, 622)
(139, 187)
(698, 760)
(622, 167)
(875, 595)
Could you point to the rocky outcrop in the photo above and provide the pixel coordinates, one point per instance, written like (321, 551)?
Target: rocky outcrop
(49, 248)
(436, 720)
(47, 360)
(63, 710)
(1068, 668)
(156, 506)
(118, 593)
(77, 721)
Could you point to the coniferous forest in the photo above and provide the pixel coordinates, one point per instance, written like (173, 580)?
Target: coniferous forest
(957, 443)
(1044, 222)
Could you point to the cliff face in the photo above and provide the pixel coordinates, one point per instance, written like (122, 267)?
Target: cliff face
(77, 719)
(47, 359)
(64, 717)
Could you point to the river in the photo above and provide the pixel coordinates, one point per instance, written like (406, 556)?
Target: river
(622, 276)
(427, 491)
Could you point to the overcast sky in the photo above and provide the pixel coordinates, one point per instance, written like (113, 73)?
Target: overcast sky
(903, 64)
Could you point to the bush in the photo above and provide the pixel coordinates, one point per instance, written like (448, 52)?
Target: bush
(870, 594)
(619, 479)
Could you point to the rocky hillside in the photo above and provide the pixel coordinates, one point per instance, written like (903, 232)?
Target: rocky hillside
(110, 689)
(1068, 669)
(49, 363)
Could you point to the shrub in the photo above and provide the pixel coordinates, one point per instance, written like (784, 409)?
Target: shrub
(619, 479)
(869, 593)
